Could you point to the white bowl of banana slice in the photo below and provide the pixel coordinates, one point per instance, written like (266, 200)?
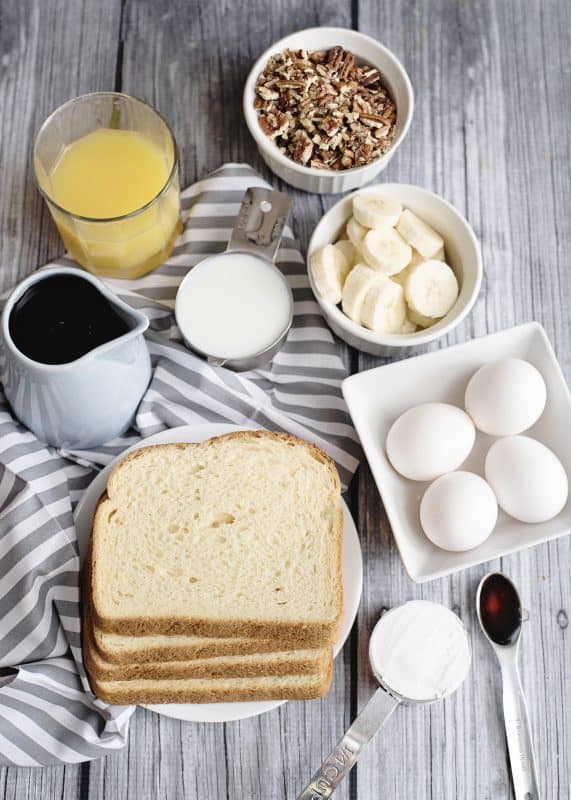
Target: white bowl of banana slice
(394, 266)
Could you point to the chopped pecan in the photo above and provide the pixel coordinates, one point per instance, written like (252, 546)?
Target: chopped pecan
(373, 120)
(329, 125)
(335, 58)
(347, 65)
(303, 149)
(323, 110)
(290, 84)
(266, 93)
(370, 77)
(274, 125)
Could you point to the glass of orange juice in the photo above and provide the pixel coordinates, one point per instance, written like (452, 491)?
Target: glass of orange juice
(106, 164)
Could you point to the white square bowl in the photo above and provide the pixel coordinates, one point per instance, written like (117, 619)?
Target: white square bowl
(378, 396)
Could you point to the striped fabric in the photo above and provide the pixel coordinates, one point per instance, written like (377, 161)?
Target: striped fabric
(47, 713)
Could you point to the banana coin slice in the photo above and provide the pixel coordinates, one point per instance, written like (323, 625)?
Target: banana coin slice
(386, 251)
(419, 235)
(431, 289)
(329, 268)
(376, 211)
(384, 307)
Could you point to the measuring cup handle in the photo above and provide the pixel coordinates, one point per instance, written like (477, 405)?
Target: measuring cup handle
(346, 752)
(260, 223)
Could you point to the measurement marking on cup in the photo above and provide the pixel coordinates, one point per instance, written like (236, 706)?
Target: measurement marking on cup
(335, 764)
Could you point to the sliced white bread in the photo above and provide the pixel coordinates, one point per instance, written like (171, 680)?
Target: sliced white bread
(296, 662)
(214, 690)
(120, 648)
(240, 536)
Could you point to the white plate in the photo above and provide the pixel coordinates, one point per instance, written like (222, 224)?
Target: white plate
(377, 397)
(352, 574)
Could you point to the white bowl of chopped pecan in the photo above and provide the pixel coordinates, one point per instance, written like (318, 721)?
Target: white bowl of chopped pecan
(328, 108)
(394, 267)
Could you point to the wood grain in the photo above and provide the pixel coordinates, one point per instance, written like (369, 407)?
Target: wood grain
(491, 133)
(477, 70)
(51, 50)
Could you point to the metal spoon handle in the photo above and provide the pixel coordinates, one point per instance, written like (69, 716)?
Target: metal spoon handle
(347, 750)
(518, 733)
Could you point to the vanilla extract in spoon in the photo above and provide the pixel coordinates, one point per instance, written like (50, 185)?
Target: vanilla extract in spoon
(499, 612)
(500, 609)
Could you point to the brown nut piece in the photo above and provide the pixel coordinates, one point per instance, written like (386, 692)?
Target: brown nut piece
(324, 110)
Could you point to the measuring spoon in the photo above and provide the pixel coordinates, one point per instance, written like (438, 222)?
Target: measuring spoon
(444, 664)
(499, 613)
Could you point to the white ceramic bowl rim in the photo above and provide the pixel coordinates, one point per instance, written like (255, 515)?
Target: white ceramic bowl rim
(403, 339)
(251, 115)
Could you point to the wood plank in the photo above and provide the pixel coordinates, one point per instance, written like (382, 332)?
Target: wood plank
(51, 51)
(39, 784)
(478, 71)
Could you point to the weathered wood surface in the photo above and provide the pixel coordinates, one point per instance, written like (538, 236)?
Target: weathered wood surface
(491, 132)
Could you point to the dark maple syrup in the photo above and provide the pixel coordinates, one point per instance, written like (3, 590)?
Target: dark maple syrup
(500, 609)
(61, 318)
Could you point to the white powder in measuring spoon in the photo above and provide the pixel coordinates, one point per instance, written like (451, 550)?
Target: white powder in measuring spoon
(420, 651)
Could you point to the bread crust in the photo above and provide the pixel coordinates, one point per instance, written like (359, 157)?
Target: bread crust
(207, 648)
(298, 633)
(307, 662)
(215, 690)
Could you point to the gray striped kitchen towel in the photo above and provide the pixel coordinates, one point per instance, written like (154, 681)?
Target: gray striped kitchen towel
(47, 713)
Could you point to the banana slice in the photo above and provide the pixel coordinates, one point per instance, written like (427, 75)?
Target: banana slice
(355, 233)
(408, 326)
(358, 283)
(431, 289)
(402, 276)
(417, 258)
(418, 234)
(329, 268)
(420, 319)
(384, 307)
(345, 246)
(386, 251)
(376, 211)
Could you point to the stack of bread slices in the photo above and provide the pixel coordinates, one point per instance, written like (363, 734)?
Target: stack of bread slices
(215, 573)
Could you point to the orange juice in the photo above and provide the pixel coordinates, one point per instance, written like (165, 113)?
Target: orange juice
(107, 181)
(108, 173)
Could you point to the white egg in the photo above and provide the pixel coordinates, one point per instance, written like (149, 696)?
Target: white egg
(527, 477)
(458, 511)
(505, 397)
(429, 440)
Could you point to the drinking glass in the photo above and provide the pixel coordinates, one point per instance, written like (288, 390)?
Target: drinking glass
(125, 246)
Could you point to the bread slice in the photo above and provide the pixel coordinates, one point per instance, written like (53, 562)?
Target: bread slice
(239, 536)
(214, 690)
(120, 648)
(296, 662)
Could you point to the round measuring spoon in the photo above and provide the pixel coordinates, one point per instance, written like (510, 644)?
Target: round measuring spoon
(419, 653)
(500, 615)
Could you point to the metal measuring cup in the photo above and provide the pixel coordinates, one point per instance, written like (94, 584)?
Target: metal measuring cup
(370, 719)
(257, 232)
